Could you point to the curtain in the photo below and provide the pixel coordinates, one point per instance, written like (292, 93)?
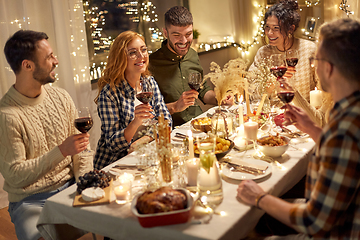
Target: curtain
(63, 22)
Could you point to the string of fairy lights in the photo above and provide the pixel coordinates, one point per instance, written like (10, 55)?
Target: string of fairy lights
(344, 7)
(144, 11)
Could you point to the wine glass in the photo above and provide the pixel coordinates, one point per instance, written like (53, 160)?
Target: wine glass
(285, 94)
(292, 58)
(83, 123)
(144, 93)
(194, 81)
(278, 65)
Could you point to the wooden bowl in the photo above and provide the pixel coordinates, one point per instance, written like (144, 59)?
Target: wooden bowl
(201, 124)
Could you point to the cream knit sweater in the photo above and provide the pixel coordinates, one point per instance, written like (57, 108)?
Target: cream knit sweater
(305, 79)
(31, 130)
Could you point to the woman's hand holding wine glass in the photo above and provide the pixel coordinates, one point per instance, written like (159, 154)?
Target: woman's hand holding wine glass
(292, 58)
(144, 93)
(278, 65)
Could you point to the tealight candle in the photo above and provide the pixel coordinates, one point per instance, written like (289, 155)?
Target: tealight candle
(316, 98)
(192, 166)
(191, 145)
(250, 130)
(240, 142)
(122, 188)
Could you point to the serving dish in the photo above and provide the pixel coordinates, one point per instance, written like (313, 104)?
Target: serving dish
(220, 155)
(273, 151)
(164, 218)
(201, 124)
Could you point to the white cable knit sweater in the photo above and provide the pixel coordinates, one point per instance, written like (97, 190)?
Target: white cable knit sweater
(31, 130)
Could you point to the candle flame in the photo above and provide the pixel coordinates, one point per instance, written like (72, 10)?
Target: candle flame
(189, 133)
(315, 88)
(241, 98)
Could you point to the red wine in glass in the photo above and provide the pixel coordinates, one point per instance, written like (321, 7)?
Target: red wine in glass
(292, 61)
(194, 86)
(144, 97)
(83, 124)
(286, 97)
(278, 72)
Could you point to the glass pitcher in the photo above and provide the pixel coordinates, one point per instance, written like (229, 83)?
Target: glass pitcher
(209, 181)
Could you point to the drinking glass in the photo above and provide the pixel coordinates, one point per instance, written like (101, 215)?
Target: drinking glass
(285, 94)
(83, 123)
(292, 58)
(278, 65)
(144, 93)
(194, 81)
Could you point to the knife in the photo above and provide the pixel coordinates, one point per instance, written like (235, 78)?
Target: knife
(234, 168)
(252, 169)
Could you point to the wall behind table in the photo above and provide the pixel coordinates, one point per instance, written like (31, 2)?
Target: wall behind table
(219, 56)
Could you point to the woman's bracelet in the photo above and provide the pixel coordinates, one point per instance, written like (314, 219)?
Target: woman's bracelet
(258, 198)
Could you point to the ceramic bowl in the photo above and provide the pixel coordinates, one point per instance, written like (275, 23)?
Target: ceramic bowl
(220, 155)
(274, 151)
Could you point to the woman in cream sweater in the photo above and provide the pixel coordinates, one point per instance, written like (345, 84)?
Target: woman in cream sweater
(281, 21)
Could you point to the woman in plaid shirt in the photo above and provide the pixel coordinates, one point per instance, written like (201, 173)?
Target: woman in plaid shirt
(332, 208)
(121, 114)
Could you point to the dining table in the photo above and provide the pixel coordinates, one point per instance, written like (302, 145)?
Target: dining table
(59, 219)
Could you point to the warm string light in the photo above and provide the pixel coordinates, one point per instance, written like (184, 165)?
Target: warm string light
(312, 3)
(242, 46)
(308, 4)
(344, 7)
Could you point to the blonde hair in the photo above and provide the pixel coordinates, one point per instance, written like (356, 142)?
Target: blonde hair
(117, 61)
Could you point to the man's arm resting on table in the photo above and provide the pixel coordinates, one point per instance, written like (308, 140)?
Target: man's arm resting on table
(277, 208)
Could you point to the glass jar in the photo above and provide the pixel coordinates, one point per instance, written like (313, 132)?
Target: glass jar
(222, 123)
(209, 181)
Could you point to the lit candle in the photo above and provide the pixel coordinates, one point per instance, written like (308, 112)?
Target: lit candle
(250, 130)
(241, 113)
(192, 166)
(191, 145)
(240, 142)
(316, 98)
(122, 188)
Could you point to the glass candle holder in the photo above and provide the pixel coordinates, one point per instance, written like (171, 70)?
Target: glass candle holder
(122, 188)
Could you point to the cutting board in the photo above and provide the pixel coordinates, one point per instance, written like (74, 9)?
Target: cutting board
(78, 201)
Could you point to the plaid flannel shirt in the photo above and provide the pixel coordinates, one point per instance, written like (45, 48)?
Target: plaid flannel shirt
(116, 110)
(333, 178)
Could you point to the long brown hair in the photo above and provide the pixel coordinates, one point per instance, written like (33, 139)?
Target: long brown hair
(117, 61)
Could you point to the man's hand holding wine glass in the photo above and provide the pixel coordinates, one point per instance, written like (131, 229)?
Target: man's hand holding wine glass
(186, 99)
(74, 144)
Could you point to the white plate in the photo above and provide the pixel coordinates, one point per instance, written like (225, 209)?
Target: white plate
(244, 176)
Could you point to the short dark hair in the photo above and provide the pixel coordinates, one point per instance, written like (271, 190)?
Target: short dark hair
(178, 16)
(339, 44)
(22, 45)
(286, 13)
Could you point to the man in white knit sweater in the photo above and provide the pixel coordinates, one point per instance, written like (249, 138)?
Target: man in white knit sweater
(39, 144)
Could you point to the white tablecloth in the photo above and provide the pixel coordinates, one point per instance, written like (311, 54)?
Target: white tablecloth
(117, 221)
